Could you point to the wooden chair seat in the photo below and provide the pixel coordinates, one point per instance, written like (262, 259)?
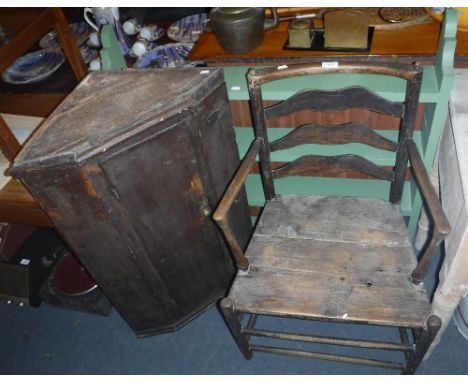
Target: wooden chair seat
(338, 258)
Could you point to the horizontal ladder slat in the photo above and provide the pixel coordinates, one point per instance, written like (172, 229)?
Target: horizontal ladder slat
(335, 100)
(328, 340)
(329, 135)
(326, 173)
(327, 357)
(341, 162)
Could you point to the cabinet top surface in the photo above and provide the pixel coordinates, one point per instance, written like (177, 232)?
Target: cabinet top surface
(109, 107)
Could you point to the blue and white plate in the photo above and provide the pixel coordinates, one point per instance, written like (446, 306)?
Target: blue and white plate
(188, 29)
(33, 67)
(80, 32)
(165, 56)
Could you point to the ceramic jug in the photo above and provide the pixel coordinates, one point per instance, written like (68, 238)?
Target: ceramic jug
(108, 15)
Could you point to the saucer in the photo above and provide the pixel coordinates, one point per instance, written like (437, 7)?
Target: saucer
(188, 29)
(33, 67)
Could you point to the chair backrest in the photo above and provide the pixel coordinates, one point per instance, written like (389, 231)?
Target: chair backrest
(352, 132)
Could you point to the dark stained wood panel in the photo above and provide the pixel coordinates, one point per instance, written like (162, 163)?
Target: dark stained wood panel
(329, 173)
(335, 100)
(158, 214)
(331, 135)
(242, 118)
(334, 164)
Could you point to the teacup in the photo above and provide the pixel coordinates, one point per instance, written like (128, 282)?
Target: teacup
(150, 32)
(93, 40)
(141, 46)
(95, 64)
(132, 26)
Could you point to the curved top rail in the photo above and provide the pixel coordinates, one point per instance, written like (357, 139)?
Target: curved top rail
(257, 77)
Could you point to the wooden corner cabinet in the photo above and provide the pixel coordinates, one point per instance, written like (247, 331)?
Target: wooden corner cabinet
(129, 168)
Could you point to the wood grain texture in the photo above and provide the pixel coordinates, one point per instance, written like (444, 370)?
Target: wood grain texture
(334, 166)
(220, 216)
(260, 129)
(64, 138)
(9, 145)
(385, 45)
(329, 173)
(32, 104)
(18, 206)
(440, 224)
(335, 100)
(257, 77)
(332, 258)
(330, 135)
(331, 218)
(413, 88)
(241, 117)
(68, 44)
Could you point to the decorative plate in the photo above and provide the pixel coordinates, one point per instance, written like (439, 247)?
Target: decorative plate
(165, 56)
(33, 67)
(80, 32)
(188, 29)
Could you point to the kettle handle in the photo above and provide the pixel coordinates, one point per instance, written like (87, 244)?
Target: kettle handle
(273, 23)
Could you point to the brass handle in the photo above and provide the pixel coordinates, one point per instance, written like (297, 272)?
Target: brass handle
(206, 211)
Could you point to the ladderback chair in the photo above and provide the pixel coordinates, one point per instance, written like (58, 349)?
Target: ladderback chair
(333, 258)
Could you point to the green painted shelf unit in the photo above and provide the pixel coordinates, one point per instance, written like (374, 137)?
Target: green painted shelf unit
(435, 92)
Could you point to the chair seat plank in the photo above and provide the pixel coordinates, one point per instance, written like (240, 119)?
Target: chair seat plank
(334, 164)
(340, 134)
(330, 218)
(327, 297)
(335, 100)
(374, 263)
(318, 269)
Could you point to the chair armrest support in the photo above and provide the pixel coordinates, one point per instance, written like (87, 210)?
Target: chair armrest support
(441, 226)
(220, 215)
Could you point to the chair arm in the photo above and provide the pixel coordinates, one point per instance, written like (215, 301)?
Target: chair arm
(441, 226)
(220, 215)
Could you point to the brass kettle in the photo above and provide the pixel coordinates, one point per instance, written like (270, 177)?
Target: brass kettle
(240, 30)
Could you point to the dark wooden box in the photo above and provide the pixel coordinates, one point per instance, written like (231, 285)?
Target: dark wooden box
(129, 168)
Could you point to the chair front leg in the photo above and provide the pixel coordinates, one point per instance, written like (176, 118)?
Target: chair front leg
(423, 342)
(230, 315)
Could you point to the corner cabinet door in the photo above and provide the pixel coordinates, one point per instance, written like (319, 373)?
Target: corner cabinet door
(161, 184)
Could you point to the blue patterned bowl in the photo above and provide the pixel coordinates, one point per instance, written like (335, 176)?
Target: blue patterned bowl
(33, 67)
